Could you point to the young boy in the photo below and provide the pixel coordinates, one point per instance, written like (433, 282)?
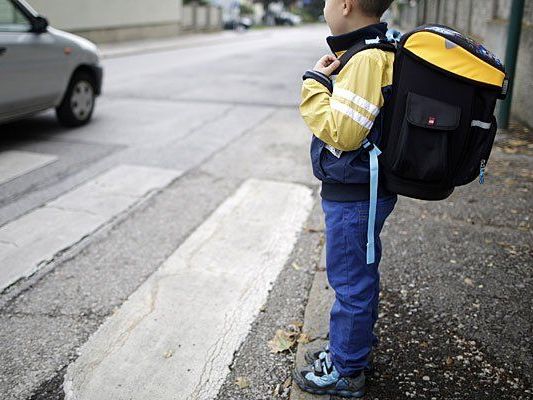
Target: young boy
(341, 115)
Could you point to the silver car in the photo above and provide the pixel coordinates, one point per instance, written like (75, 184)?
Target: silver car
(42, 67)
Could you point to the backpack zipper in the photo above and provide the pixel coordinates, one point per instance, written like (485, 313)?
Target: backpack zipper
(482, 166)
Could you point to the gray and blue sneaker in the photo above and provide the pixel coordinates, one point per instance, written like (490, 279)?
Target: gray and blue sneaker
(312, 355)
(323, 378)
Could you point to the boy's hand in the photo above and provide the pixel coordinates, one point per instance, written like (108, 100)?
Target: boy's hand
(327, 64)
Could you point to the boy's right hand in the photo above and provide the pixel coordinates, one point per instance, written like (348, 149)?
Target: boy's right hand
(327, 64)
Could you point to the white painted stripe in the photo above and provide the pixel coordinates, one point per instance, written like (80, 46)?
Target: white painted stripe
(36, 237)
(359, 118)
(481, 124)
(14, 163)
(115, 190)
(174, 338)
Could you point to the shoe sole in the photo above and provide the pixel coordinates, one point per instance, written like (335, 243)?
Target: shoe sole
(333, 392)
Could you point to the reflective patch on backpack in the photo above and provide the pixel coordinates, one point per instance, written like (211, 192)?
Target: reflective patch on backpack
(449, 44)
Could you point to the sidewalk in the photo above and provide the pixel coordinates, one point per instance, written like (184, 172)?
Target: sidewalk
(186, 40)
(455, 316)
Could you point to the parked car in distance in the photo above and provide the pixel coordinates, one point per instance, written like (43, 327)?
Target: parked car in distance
(241, 23)
(42, 68)
(288, 18)
(277, 16)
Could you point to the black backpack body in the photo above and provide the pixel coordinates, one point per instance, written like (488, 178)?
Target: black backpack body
(439, 122)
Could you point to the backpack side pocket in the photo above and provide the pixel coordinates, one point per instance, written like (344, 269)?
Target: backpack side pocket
(482, 136)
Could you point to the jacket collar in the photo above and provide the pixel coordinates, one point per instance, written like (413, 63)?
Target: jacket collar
(343, 42)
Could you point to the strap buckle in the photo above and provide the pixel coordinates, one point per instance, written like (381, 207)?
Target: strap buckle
(368, 145)
(505, 89)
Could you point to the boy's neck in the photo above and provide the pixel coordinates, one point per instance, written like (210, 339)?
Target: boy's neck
(360, 22)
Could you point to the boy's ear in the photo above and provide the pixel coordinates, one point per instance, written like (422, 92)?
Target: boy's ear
(347, 7)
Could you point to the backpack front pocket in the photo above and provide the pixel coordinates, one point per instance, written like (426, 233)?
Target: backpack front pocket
(422, 152)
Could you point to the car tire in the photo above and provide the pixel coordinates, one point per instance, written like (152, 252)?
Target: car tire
(77, 106)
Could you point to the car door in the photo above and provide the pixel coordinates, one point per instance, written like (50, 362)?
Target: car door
(32, 65)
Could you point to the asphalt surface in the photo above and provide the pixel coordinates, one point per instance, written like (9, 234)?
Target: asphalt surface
(210, 112)
(456, 317)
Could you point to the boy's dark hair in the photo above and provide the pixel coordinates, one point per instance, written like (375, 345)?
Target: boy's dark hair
(374, 8)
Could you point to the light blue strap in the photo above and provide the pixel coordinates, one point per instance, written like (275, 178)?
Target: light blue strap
(374, 173)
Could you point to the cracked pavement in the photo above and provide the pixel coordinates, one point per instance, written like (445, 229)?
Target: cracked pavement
(456, 311)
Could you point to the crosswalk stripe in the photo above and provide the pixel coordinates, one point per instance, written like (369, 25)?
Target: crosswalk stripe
(14, 163)
(174, 338)
(36, 237)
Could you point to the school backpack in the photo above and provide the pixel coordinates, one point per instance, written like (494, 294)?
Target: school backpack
(439, 122)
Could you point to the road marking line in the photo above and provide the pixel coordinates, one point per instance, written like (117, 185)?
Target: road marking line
(36, 237)
(174, 338)
(14, 163)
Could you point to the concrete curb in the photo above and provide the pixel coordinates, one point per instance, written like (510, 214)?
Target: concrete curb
(187, 40)
(316, 324)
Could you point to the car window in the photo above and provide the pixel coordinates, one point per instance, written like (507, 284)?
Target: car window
(11, 19)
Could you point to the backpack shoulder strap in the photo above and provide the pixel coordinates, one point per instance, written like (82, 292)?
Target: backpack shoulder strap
(373, 150)
(358, 47)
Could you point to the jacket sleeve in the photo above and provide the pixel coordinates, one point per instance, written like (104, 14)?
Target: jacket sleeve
(343, 117)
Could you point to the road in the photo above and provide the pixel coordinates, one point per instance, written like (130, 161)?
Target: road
(87, 215)
(155, 252)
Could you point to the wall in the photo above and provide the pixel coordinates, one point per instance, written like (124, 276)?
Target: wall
(201, 18)
(117, 20)
(487, 22)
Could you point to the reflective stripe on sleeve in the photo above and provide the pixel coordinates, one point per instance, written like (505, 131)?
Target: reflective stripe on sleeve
(357, 100)
(360, 119)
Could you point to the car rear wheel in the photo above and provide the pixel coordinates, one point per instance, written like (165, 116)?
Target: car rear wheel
(77, 106)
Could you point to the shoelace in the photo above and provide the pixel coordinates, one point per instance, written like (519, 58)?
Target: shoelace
(323, 353)
(323, 365)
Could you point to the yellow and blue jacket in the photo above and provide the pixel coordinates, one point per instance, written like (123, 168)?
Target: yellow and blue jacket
(343, 110)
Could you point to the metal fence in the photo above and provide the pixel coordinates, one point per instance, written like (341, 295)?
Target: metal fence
(469, 16)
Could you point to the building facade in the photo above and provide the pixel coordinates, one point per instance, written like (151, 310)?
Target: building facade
(116, 20)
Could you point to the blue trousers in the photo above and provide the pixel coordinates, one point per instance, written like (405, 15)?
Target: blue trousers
(356, 283)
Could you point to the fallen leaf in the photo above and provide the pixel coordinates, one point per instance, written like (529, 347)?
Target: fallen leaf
(509, 182)
(296, 266)
(517, 142)
(469, 282)
(510, 150)
(168, 354)
(304, 338)
(277, 390)
(282, 341)
(296, 326)
(449, 361)
(287, 383)
(242, 382)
